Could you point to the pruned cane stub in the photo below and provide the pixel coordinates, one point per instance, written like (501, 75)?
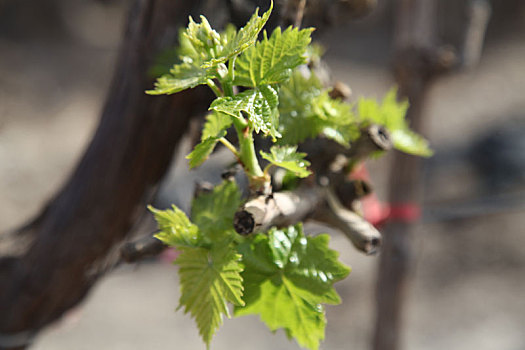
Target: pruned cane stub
(243, 222)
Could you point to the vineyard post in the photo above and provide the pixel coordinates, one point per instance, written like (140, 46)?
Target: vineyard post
(418, 60)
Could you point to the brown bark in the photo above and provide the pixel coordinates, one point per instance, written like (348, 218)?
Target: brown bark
(128, 155)
(416, 60)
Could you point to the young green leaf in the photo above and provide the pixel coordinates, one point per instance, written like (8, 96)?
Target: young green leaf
(271, 60)
(209, 278)
(202, 151)
(406, 140)
(335, 119)
(307, 111)
(197, 44)
(243, 39)
(288, 158)
(215, 124)
(259, 104)
(213, 212)
(176, 230)
(203, 46)
(181, 77)
(205, 42)
(297, 122)
(287, 277)
(391, 115)
(203, 53)
(209, 265)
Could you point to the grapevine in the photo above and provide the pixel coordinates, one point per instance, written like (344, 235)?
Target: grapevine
(252, 252)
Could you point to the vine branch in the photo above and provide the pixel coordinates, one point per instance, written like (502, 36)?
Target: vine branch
(131, 150)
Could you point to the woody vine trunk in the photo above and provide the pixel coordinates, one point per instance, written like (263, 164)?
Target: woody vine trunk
(130, 151)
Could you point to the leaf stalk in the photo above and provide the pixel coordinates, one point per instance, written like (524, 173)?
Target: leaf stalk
(216, 90)
(229, 146)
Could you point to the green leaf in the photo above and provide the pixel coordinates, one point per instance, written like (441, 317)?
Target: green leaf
(197, 44)
(176, 230)
(202, 151)
(181, 77)
(213, 212)
(186, 51)
(203, 43)
(288, 158)
(391, 114)
(209, 278)
(297, 122)
(287, 276)
(203, 53)
(215, 124)
(289, 181)
(408, 141)
(202, 46)
(243, 39)
(307, 111)
(259, 104)
(271, 60)
(335, 119)
(209, 265)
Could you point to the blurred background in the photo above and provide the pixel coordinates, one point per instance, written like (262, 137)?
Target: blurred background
(467, 285)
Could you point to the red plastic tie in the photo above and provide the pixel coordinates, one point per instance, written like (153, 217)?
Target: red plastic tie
(404, 212)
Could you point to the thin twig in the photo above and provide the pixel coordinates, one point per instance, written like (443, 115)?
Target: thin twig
(363, 235)
(321, 204)
(279, 209)
(479, 16)
(299, 13)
